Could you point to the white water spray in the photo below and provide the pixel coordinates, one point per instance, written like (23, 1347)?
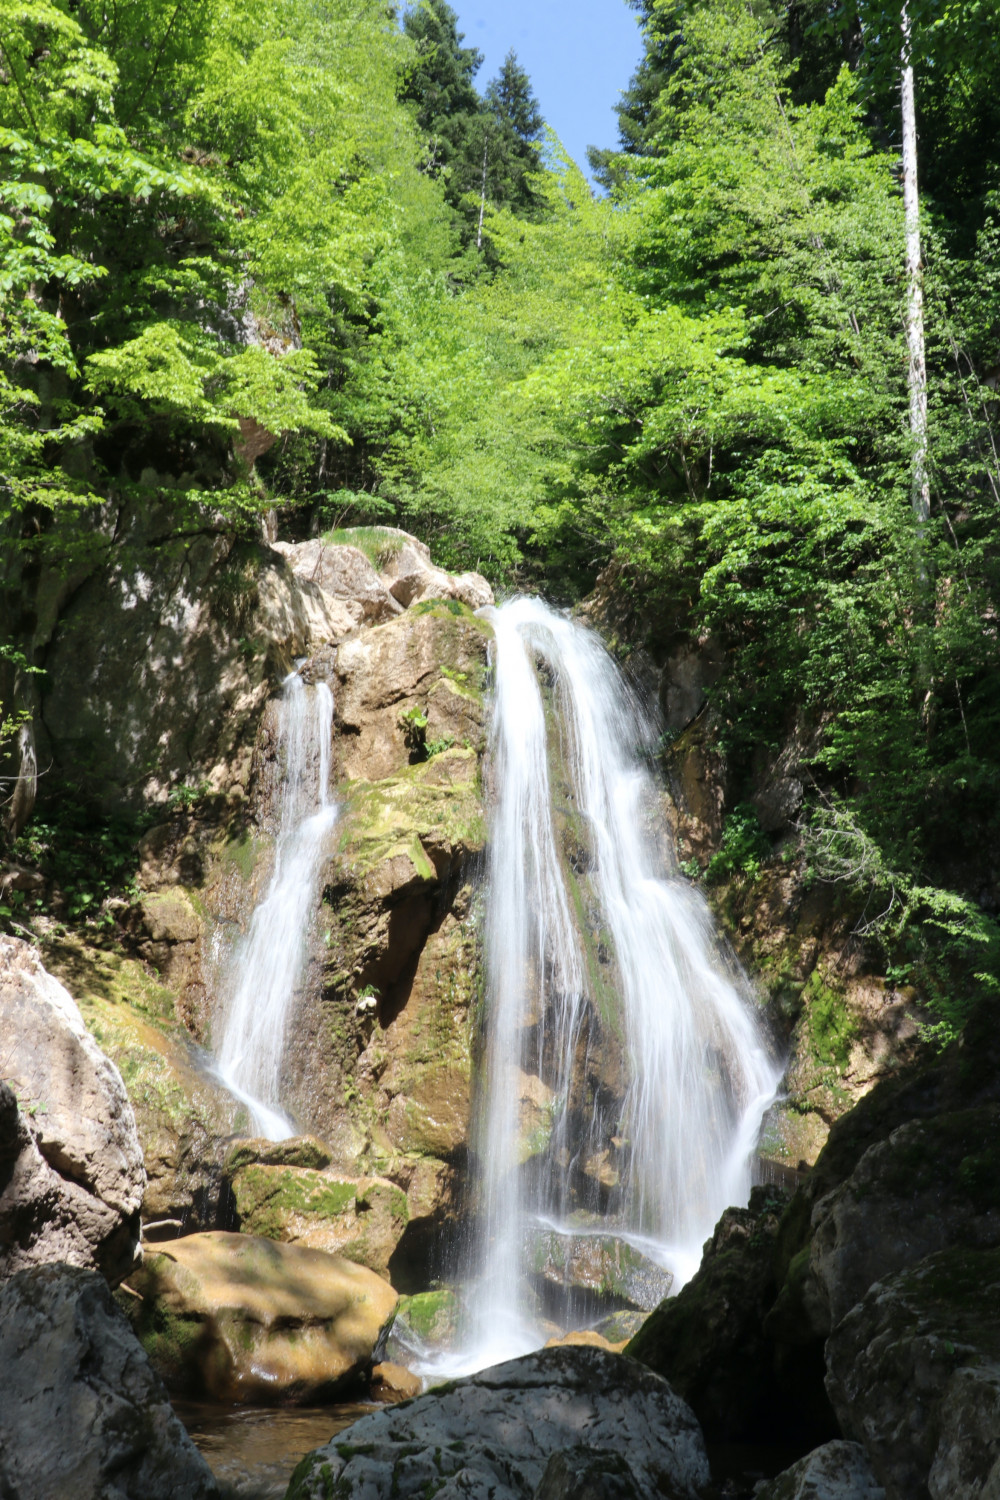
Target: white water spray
(598, 941)
(268, 961)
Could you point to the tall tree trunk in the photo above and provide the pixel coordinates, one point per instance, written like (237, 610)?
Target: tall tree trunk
(482, 196)
(920, 493)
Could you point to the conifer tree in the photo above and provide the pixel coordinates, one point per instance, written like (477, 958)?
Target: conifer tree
(440, 83)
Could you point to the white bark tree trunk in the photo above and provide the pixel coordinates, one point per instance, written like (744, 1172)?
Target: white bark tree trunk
(920, 493)
(482, 197)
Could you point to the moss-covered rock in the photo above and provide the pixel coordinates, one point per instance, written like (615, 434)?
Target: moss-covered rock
(362, 1219)
(607, 1269)
(426, 1319)
(239, 1318)
(184, 1119)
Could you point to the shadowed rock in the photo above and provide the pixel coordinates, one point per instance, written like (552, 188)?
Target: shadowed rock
(82, 1413)
(492, 1436)
(71, 1175)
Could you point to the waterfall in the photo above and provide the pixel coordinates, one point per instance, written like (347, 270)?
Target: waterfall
(266, 965)
(590, 942)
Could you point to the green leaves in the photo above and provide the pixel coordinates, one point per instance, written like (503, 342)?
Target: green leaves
(167, 372)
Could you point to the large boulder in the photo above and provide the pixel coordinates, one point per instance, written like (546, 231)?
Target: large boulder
(239, 1318)
(932, 1183)
(836, 1471)
(412, 578)
(914, 1375)
(492, 1435)
(345, 573)
(71, 1169)
(709, 1342)
(82, 1412)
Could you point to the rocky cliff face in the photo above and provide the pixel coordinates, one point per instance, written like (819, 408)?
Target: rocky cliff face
(162, 660)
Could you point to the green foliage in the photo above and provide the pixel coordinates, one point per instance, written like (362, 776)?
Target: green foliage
(743, 848)
(89, 866)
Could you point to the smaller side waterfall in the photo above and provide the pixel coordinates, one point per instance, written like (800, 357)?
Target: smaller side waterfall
(267, 963)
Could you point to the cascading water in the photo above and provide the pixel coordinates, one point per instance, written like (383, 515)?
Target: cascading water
(588, 938)
(267, 963)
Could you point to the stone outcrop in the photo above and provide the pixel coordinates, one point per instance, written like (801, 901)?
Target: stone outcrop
(238, 1318)
(158, 664)
(184, 1119)
(72, 1177)
(492, 1436)
(605, 1269)
(412, 578)
(393, 699)
(344, 573)
(709, 1342)
(836, 1471)
(82, 1413)
(361, 1218)
(914, 1375)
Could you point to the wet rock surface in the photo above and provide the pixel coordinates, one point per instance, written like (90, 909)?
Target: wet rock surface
(239, 1318)
(492, 1436)
(82, 1412)
(72, 1177)
(601, 1265)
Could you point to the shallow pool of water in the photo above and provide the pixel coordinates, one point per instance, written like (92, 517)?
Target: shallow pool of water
(252, 1450)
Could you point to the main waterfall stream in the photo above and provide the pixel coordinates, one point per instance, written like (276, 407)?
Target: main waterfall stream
(265, 966)
(626, 1074)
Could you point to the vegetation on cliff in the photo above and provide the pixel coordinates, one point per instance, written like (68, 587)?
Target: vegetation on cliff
(295, 258)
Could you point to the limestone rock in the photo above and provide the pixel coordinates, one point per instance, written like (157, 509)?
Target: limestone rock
(161, 660)
(708, 1341)
(74, 1178)
(392, 1382)
(836, 1471)
(412, 578)
(361, 1218)
(182, 1116)
(82, 1413)
(492, 1435)
(605, 1267)
(931, 1184)
(395, 671)
(586, 1338)
(588, 1474)
(238, 1318)
(914, 1375)
(345, 573)
(688, 672)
